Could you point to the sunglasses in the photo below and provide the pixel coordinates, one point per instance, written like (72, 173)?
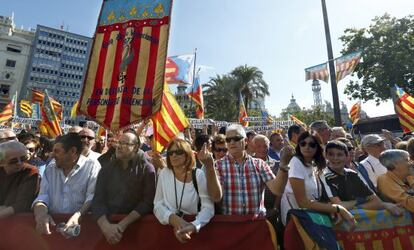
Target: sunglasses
(31, 150)
(176, 152)
(234, 138)
(90, 138)
(311, 144)
(224, 150)
(16, 160)
(121, 143)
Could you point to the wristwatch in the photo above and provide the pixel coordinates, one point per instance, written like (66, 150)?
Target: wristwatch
(284, 168)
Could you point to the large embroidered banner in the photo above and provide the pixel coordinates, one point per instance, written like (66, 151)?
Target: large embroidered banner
(125, 77)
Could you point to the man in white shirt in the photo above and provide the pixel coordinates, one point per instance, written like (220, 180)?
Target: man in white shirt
(88, 141)
(67, 186)
(374, 145)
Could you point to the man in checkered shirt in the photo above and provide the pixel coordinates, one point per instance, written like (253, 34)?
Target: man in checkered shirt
(237, 180)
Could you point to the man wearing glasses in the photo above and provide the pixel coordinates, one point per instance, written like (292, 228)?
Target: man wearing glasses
(374, 145)
(19, 181)
(241, 178)
(67, 186)
(88, 141)
(126, 185)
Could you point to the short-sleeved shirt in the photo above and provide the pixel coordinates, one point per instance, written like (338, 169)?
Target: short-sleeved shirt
(312, 186)
(347, 187)
(243, 184)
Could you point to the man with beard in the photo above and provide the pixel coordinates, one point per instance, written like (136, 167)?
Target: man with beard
(88, 141)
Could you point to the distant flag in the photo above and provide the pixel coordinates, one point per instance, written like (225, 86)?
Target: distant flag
(242, 112)
(50, 120)
(355, 113)
(125, 76)
(7, 113)
(74, 110)
(168, 121)
(101, 131)
(346, 64)
(405, 110)
(319, 72)
(297, 121)
(265, 115)
(196, 93)
(26, 108)
(179, 69)
(37, 96)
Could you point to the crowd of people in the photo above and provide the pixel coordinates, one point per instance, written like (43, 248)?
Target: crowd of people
(230, 172)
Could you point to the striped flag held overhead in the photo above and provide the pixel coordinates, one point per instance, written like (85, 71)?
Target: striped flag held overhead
(318, 72)
(37, 96)
(297, 121)
(404, 107)
(7, 113)
(125, 76)
(355, 112)
(242, 112)
(50, 120)
(168, 121)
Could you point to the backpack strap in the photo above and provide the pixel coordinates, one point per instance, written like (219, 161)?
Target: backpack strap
(194, 177)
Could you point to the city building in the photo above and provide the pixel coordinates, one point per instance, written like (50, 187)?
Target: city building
(58, 63)
(15, 46)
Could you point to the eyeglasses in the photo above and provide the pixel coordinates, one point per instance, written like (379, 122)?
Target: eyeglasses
(310, 144)
(224, 150)
(176, 152)
(31, 150)
(16, 160)
(122, 143)
(90, 138)
(234, 138)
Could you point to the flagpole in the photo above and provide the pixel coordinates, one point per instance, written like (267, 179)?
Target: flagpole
(335, 98)
(194, 72)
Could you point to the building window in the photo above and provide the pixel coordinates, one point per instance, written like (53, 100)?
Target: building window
(10, 63)
(4, 90)
(14, 49)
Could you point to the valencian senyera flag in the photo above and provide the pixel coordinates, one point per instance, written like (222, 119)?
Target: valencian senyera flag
(404, 106)
(242, 112)
(196, 94)
(297, 121)
(26, 108)
(50, 120)
(7, 113)
(36, 96)
(74, 110)
(318, 72)
(355, 112)
(346, 64)
(179, 69)
(125, 76)
(168, 121)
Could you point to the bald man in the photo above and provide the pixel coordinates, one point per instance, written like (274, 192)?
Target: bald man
(19, 181)
(7, 135)
(75, 129)
(88, 141)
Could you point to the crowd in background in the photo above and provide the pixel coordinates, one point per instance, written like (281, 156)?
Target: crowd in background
(227, 171)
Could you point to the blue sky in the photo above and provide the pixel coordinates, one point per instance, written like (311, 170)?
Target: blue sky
(281, 38)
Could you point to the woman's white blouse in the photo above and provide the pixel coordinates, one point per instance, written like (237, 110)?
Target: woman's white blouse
(165, 202)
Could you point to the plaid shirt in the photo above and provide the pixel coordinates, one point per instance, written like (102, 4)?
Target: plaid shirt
(243, 185)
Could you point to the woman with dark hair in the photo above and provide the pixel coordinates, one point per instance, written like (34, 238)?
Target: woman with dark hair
(182, 190)
(32, 145)
(304, 188)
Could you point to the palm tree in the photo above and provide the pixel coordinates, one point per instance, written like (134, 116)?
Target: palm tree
(249, 81)
(220, 101)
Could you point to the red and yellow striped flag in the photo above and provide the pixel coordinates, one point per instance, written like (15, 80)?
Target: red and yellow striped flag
(50, 121)
(345, 65)
(38, 97)
(242, 112)
(297, 121)
(404, 107)
(354, 113)
(7, 113)
(125, 77)
(168, 122)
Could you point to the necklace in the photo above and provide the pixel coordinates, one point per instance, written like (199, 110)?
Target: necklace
(179, 213)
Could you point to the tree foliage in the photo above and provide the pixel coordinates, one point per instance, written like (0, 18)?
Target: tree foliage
(387, 50)
(310, 115)
(221, 93)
